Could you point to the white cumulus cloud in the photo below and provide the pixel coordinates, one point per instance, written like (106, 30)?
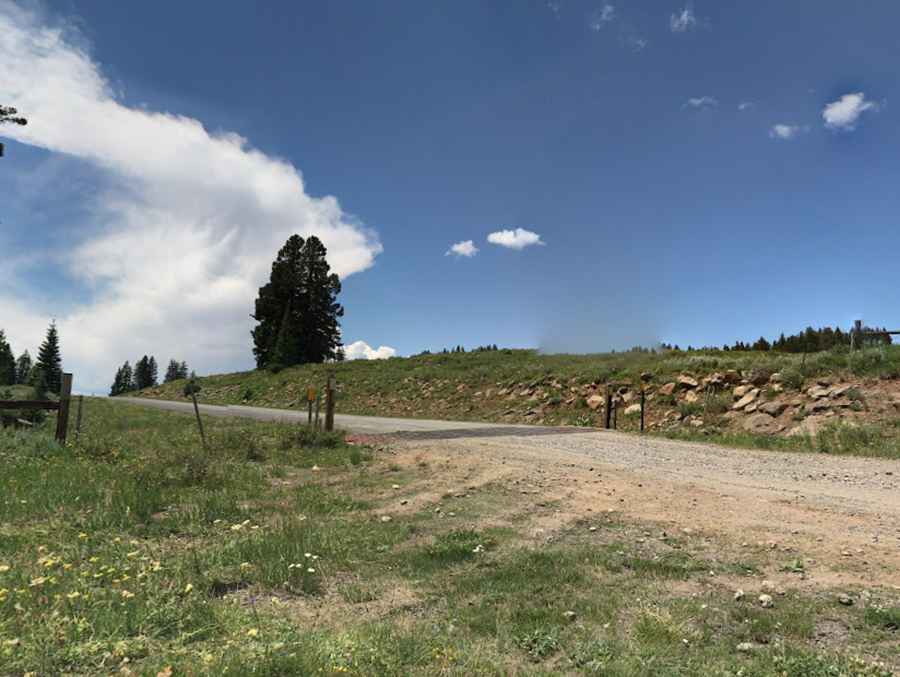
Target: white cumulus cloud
(844, 113)
(683, 21)
(701, 102)
(515, 239)
(360, 350)
(465, 248)
(786, 132)
(601, 17)
(183, 229)
(745, 105)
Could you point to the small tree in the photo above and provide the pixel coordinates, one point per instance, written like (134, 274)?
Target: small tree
(49, 361)
(145, 373)
(24, 366)
(7, 362)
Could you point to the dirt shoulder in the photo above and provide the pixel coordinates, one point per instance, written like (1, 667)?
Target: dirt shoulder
(840, 515)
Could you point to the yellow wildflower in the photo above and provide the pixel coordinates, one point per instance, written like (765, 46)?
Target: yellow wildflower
(253, 632)
(4, 568)
(188, 587)
(74, 595)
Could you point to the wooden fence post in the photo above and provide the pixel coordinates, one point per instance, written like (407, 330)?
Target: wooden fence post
(65, 398)
(643, 400)
(318, 402)
(329, 404)
(608, 408)
(199, 421)
(78, 417)
(309, 402)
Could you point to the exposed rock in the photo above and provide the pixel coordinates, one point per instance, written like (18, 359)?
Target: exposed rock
(633, 410)
(746, 399)
(570, 616)
(810, 426)
(819, 406)
(740, 391)
(595, 402)
(745, 647)
(818, 391)
(766, 601)
(667, 389)
(775, 378)
(627, 396)
(845, 599)
(824, 382)
(762, 424)
(697, 422)
(732, 376)
(773, 408)
(840, 391)
(691, 396)
(759, 377)
(687, 381)
(738, 595)
(750, 408)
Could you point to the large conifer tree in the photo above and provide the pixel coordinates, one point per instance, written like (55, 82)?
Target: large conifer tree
(297, 310)
(49, 362)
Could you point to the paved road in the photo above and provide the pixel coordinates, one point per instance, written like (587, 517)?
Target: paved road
(370, 425)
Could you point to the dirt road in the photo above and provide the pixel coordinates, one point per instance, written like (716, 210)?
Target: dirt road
(842, 514)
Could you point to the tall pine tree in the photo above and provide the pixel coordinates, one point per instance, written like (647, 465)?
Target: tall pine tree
(297, 310)
(49, 361)
(7, 362)
(145, 373)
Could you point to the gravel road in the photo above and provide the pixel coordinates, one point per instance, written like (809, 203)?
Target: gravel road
(844, 509)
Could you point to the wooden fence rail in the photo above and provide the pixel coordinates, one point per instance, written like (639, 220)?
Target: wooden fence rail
(62, 419)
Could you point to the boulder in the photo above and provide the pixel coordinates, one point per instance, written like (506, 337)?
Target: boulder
(811, 426)
(687, 381)
(818, 392)
(746, 399)
(633, 410)
(759, 377)
(691, 396)
(595, 402)
(740, 391)
(628, 396)
(819, 406)
(667, 389)
(773, 408)
(775, 378)
(762, 424)
(840, 391)
(732, 376)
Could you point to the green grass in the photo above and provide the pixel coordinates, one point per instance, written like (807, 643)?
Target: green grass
(835, 438)
(135, 550)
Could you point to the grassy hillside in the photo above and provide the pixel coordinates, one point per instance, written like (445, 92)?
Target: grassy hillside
(528, 387)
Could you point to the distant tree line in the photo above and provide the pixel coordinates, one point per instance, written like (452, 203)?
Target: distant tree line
(809, 340)
(44, 374)
(145, 374)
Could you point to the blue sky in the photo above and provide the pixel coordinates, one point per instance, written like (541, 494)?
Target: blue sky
(696, 173)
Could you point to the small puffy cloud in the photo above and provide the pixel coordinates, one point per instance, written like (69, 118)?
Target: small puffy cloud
(465, 248)
(745, 105)
(636, 43)
(844, 113)
(601, 17)
(701, 102)
(683, 21)
(786, 132)
(360, 350)
(515, 239)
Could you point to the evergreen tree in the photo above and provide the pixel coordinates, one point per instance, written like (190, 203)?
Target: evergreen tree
(7, 362)
(152, 372)
(297, 310)
(182, 370)
(23, 368)
(145, 373)
(49, 362)
(123, 382)
(171, 372)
